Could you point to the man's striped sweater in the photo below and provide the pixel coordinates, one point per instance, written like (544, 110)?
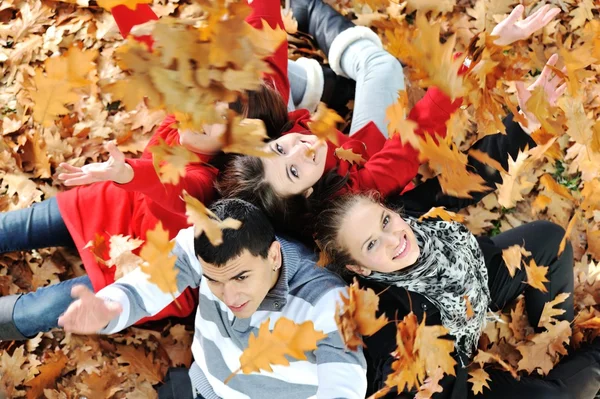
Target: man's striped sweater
(303, 292)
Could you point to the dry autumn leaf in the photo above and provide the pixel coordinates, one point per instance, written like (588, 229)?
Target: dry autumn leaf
(131, 4)
(121, 255)
(246, 136)
(442, 213)
(431, 385)
(356, 315)
(52, 368)
(207, 222)
(512, 257)
(159, 263)
(323, 124)
(563, 242)
(270, 347)
(170, 161)
(536, 275)
(549, 311)
(479, 379)
(349, 156)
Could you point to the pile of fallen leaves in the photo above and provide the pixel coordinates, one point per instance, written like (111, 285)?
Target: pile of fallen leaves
(72, 51)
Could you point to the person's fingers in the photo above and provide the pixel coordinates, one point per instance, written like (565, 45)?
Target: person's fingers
(68, 176)
(522, 93)
(79, 181)
(114, 152)
(547, 71)
(81, 291)
(534, 21)
(550, 16)
(535, 14)
(69, 168)
(561, 90)
(515, 14)
(114, 309)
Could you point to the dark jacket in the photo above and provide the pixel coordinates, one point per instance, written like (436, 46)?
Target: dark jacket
(397, 302)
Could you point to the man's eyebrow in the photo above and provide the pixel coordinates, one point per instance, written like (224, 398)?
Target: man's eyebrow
(240, 274)
(208, 278)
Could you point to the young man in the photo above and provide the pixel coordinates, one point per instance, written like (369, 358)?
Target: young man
(251, 277)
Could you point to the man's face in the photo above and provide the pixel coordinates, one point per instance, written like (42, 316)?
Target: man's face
(243, 282)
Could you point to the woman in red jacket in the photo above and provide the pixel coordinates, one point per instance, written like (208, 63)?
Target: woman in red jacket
(126, 197)
(303, 170)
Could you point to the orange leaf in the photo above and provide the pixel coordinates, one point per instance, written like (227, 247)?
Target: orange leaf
(356, 316)
(131, 4)
(170, 161)
(159, 263)
(563, 242)
(99, 248)
(550, 184)
(479, 379)
(442, 213)
(206, 221)
(323, 123)
(349, 156)
(512, 257)
(540, 203)
(271, 347)
(486, 160)
(483, 357)
(52, 368)
(536, 275)
(431, 385)
(549, 311)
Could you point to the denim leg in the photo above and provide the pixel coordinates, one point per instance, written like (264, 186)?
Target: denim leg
(297, 77)
(39, 311)
(378, 76)
(39, 226)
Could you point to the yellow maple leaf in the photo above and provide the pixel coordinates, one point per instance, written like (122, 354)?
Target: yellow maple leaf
(55, 89)
(170, 161)
(549, 311)
(356, 315)
(591, 197)
(206, 221)
(435, 351)
(323, 123)
(266, 39)
(131, 4)
(424, 6)
(121, 255)
(539, 106)
(349, 156)
(269, 348)
(398, 124)
(536, 275)
(540, 203)
(512, 257)
(513, 185)
(563, 242)
(442, 213)
(246, 136)
(579, 125)
(479, 379)
(159, 263)
(484, 158)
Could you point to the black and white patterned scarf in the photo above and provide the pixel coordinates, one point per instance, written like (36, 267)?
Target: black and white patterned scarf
(450, 267)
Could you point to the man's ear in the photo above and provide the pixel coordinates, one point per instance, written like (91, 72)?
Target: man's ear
(274, 255)
(308, 192)
(363, 271)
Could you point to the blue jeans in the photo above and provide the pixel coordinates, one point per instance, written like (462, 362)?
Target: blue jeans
(39, 311)
(39, 226)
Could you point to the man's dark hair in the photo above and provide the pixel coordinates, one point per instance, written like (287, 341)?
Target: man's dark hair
(256, 234)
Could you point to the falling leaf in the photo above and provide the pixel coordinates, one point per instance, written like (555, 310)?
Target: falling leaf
(549, 311)
(206, 221)
(398, 124)
(442, 213)
(269, 348)
(512, 258)
(483, 357)
(563, 242)
(98, 247)
(159, 263)
(484, 158)
(121, 255)
(323, 123)
(536, 275)
(289, 22)
(246, 136)
(514, 184)
(356, 315)
(349, 156)
(424, 6)
(479, 379)
(550, 184)
(170, 161)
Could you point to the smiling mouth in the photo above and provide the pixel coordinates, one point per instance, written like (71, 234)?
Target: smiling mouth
(402, 247)
(238, 308)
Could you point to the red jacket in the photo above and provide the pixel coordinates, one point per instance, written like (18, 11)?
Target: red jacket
(390, 165)
(131, 209)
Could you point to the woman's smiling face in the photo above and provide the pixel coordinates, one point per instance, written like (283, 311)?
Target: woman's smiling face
(299, 163)
(378, 238)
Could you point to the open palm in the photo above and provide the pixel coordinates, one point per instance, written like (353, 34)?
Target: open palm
(88, 314)
(513, 28)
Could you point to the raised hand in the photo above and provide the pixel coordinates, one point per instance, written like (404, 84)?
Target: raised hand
(88, 314)
(554, 87)
(115, 169)
(513, 28)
